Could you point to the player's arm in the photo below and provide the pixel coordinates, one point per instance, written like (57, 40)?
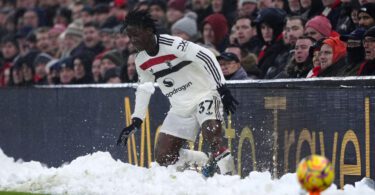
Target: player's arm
(206, 59)
(142, 99)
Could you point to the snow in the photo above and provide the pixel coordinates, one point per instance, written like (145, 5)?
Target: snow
(99, 173)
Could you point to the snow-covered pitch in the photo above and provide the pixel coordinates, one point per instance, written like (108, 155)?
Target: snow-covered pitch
(99, 173)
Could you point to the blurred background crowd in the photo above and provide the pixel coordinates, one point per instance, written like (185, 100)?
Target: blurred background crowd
(47, 42)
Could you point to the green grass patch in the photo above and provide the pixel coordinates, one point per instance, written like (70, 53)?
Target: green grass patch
(17, 193)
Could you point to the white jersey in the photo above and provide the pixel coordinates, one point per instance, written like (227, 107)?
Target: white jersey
(184, 71)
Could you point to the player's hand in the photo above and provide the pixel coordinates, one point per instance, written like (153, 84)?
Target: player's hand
(127, 131)
(229, 102)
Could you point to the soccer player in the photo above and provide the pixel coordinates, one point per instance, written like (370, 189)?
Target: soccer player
(190, 76)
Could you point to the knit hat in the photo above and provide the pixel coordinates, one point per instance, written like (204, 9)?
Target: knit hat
(42, 58)
(115, 57)
(67, 63)
(177, 4)
(241, 2)
(74, 29)
(219, 25)
(186, 24)
(320, 24)
(338, 48)
(368, 8)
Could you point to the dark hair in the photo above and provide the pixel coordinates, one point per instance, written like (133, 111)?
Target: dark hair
(9, 38)
(139, 18)
(92, 24)
(251, 18)
(300, 18)
(308, 37)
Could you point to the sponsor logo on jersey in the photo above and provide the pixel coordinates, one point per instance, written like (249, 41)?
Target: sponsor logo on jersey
(178, 89)
(168, 82)
(183, 45)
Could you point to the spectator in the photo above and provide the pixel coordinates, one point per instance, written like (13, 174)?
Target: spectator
(77, 8)
(355, 52)
(331, 57)
(231, 67)
(63, 16)
(301, 63)
(112, 76)
(119, 9)
(107, 38)
(249, 63)
(368, 67)
(186, 27)
(366, 1)
(294, 28)
(294, 7)
(39, 65)
(215, 31)
(319, 27)
(274, 53)
(332, 10)
(87, 15)
(225, 8)
(158, 12)
(43, 42)
(111, 59)
(71, 38)
(202, 8)
(314, 53)
(25, 65)
(247, 8)
(128, 72)
(15, 77)
(311, 8)
(30, 19)
(82, 65)
(9, 52)
(246, 35)
(345, 24)
(366, 15)
(237, 50)
(56, 42)
(95, 70)
(103, 17)
(66, 71)
(264, 4)
(176, 11)
(52, 71)
(91, 40)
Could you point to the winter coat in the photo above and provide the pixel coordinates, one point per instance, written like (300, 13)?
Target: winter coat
(240, 74)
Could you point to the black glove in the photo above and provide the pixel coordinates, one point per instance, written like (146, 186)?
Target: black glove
(229, 102)
(127, 131)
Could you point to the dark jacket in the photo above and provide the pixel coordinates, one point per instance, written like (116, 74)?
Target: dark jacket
(82, 48)
(274, 60)
(254, 45)
(296, 70)
(240, 74)
(367, 68)
(334, 69)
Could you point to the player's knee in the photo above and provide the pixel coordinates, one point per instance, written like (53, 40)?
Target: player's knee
(164, 158)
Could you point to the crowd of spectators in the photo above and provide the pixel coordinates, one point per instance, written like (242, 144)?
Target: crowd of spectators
(48, 42)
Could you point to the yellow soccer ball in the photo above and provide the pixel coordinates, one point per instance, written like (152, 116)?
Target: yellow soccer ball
(315, 173)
